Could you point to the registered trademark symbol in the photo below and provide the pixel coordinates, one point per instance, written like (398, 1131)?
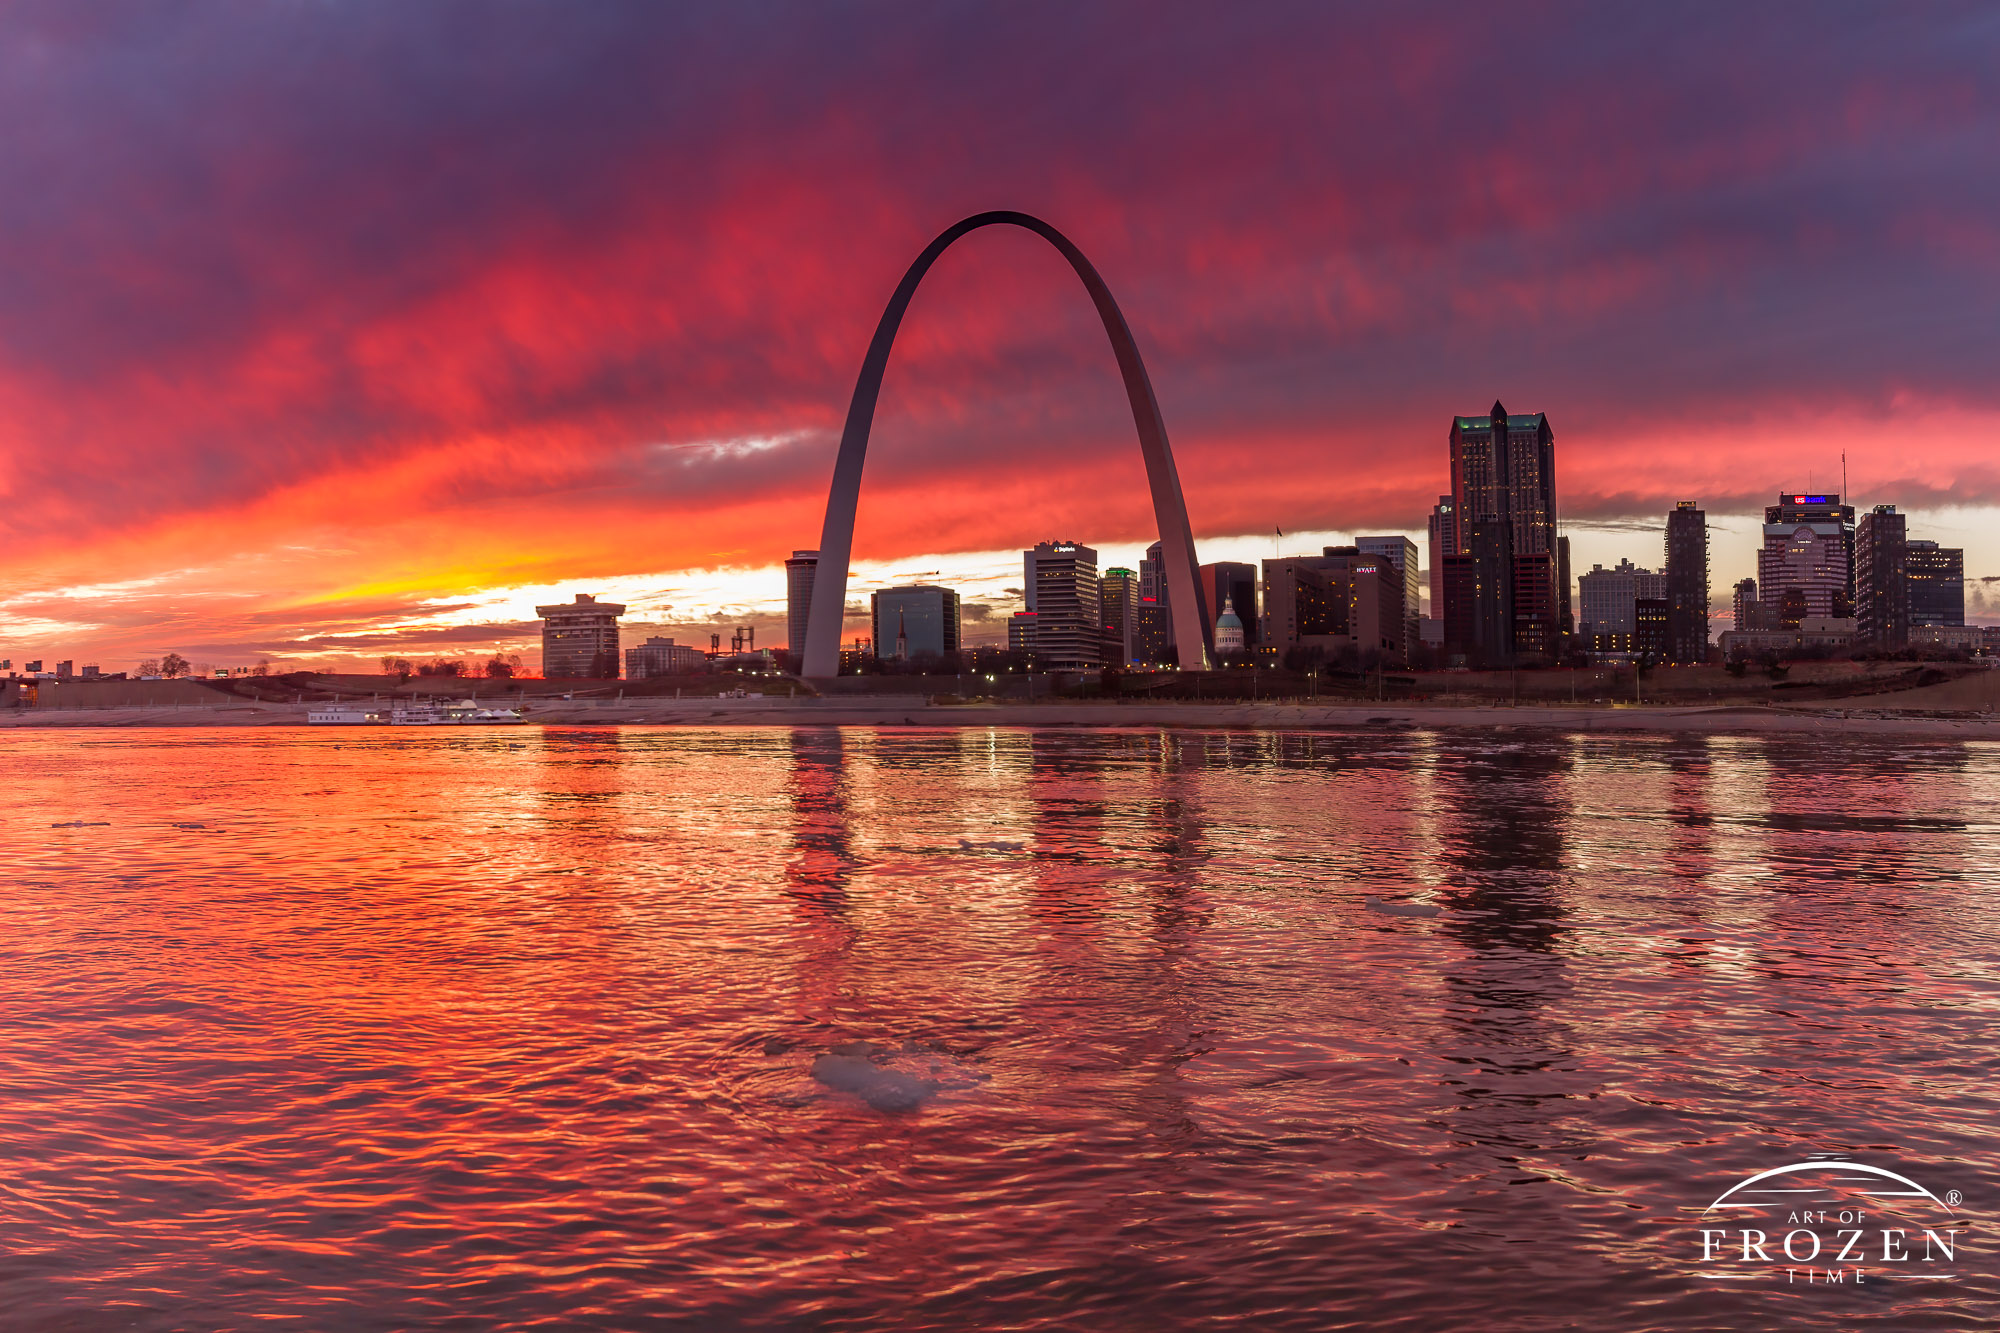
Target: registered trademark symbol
(1952, 1197)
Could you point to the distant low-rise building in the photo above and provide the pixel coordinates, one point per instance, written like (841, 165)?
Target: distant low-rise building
(1815, 632)
(664, 657)
(1965, 638)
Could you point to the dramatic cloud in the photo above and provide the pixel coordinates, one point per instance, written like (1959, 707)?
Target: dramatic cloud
(314, 313)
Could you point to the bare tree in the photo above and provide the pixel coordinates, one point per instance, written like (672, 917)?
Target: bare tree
(150, 667)
(173, 666)
(263, 667)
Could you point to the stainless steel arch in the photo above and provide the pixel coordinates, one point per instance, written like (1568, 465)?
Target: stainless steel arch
(1192, 631)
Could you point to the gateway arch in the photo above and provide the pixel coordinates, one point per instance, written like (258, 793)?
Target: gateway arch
(836, 543)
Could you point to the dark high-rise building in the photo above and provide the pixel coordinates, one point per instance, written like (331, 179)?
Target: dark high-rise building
(1152, 640)
(1503, 512)
(1444, 542)
(1565, 608)
(1236, 583)
(1062, 592)
(1808, 549)
(799, 571)
(1937, 583)
(1118, 604)
(1881, 579)
(1687, 585)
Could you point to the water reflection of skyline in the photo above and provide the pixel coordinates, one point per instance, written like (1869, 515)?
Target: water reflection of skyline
(587, 977)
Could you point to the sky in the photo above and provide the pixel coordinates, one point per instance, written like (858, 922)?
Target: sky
(333, 330)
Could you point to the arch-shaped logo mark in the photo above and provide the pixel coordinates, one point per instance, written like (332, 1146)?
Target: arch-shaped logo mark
(1187, 607)
(1911, 1190)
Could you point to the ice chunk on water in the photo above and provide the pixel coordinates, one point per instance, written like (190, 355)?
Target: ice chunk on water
(1389, 908)
(882, 1088)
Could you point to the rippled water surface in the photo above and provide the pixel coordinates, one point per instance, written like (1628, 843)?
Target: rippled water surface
(519, 1028)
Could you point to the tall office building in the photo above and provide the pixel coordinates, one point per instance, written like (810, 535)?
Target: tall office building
(1229, 580)
(1808, 550)
(1937, 584)
(1500, 581)
(1687, 585)
(1151, 636)
(1118, 605)
(1565, 611)
(1881, 579)
(1062, 593)
(580, 638)
(1401, 553)
(915, 620)
(1153, 585)
(799, 571)
(1444, 542)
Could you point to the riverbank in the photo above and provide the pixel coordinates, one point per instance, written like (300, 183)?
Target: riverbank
(915, 711)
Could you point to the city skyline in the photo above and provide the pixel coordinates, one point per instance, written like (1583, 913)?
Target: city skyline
(320, 414)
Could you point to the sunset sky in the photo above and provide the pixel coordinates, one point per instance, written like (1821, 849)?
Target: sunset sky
(335, 329)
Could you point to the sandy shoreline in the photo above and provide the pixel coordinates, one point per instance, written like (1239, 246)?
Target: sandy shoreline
(916, 712)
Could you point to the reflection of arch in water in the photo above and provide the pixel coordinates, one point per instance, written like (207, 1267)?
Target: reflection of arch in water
(1192, 632)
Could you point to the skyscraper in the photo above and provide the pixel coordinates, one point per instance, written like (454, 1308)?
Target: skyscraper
(1937, 584)
(1118, 605)
(1504, 532)
(915, 620)
(1881, 579)
(1687, 585)
(1153, 585)
(1062, 592)
(1808, 549)
(580, 638)
(799, 571)
(1444, 542)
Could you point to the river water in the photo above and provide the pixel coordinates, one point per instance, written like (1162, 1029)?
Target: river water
(519, 1028)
